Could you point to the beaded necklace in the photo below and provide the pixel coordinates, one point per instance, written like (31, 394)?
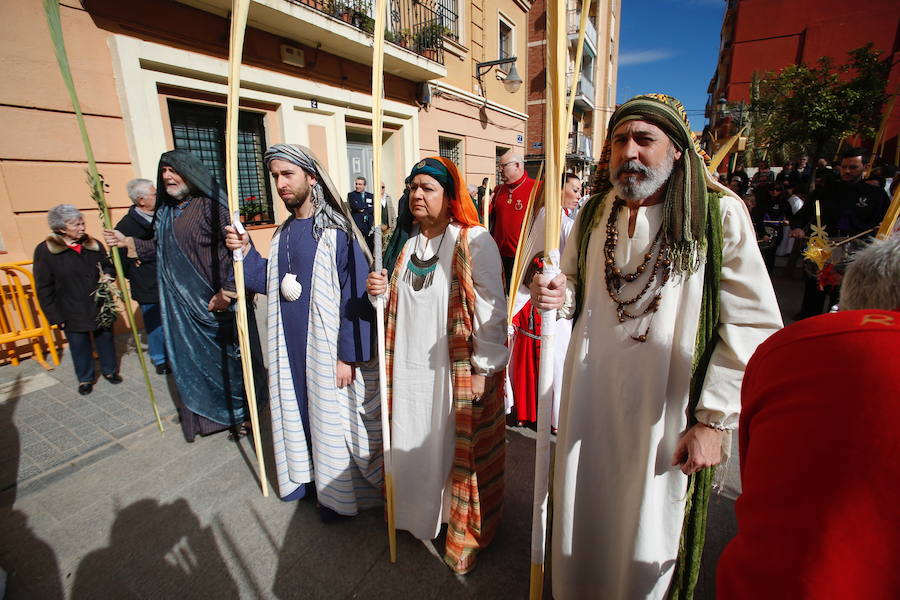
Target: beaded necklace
(420, 272)
(616, 280)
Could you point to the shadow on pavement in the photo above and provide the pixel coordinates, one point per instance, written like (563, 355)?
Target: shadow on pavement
(156, 551)
(31, 564)
(350, 558)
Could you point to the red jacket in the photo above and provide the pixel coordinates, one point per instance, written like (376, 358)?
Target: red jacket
(508, 207)
(819, 516)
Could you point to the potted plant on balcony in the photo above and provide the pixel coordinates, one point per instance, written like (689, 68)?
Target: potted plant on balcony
(360, 15)
(251, 209)
(427, 40)
(339, 9)
(367, 23)
(402, 38)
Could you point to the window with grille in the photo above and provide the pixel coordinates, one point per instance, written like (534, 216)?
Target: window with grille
(200, 129)
(448, 14)
(450, 148)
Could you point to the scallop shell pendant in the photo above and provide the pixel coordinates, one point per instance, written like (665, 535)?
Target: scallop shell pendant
(290, 287)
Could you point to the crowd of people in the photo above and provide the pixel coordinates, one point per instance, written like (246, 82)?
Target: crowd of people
(849, 199)
(662, 299)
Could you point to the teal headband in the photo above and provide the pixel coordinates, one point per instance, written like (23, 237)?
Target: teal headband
(436, 169)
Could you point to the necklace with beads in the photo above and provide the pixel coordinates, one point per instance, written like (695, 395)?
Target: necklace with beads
(616, 279)
(420, 272)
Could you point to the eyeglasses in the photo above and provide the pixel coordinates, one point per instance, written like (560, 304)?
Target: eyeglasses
(504, 165)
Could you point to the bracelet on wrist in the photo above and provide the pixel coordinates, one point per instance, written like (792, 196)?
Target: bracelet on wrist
(715, 426)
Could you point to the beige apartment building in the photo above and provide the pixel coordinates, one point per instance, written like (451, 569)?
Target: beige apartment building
(468, 123)
(595, 89)
(151, 76)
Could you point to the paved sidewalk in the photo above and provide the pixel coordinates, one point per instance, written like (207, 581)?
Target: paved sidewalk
(56, 425)
(145, 515)
(96, 503)
(150, 516)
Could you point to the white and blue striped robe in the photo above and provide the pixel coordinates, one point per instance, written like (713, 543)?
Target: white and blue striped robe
(345, 422)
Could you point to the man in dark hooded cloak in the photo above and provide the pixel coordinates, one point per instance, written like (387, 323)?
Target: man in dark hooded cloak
(196, 287)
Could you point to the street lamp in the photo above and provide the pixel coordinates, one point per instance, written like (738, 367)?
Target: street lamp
(512, 83)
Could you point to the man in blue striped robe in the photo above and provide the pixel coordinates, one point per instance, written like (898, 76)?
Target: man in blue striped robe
(326, 422)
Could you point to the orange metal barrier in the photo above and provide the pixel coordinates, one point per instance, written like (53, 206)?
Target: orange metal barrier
(21, 317)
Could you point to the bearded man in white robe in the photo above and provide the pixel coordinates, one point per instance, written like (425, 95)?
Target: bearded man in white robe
(669, 298)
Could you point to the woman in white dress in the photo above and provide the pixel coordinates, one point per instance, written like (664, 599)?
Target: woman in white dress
(446, 329)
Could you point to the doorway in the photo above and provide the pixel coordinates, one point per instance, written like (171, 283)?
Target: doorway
(359, 160)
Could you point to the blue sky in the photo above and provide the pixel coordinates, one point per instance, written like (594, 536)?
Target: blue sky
(669, 46)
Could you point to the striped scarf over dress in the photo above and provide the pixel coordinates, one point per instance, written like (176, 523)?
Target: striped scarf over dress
(480, 439)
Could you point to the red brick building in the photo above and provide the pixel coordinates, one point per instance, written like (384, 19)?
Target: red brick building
(767, 35)
(595, 92)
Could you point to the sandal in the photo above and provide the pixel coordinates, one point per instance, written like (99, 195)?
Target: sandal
(241, 431)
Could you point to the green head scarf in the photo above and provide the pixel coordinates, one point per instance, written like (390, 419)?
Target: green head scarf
(685, 203)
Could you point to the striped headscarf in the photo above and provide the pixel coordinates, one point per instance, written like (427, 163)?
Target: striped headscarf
(330, 210)
(685, 203)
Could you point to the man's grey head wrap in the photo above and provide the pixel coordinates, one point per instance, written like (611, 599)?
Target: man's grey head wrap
(329, 209)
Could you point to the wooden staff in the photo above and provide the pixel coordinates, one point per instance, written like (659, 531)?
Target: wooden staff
(557, 125)
(51, 9)
(722, 152)
(880, 137)
(377, 122)
(890, 218)
(239, 9)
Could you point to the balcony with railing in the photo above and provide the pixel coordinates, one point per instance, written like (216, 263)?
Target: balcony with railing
(590, 32)
(414, 32)
(585, 93)
(580, 145)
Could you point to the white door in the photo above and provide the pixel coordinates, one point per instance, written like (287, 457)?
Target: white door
(359, 158)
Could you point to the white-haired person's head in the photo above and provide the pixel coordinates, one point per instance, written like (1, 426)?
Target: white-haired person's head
(61, 215)
(138, 188)
(873, 278)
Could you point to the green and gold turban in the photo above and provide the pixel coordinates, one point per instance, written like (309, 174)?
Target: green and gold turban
(684, 220)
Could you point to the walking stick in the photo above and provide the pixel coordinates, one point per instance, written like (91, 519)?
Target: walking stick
(95, 180)
(880, 137)
(890, 218)
(377, 122)
(239, 9)
(557, 124)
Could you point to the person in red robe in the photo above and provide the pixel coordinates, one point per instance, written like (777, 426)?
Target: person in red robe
(525, 360)
(508, 206)
(818, 516)
(525, 350)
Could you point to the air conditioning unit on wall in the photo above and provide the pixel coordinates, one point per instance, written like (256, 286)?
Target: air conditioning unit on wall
(292, 56)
